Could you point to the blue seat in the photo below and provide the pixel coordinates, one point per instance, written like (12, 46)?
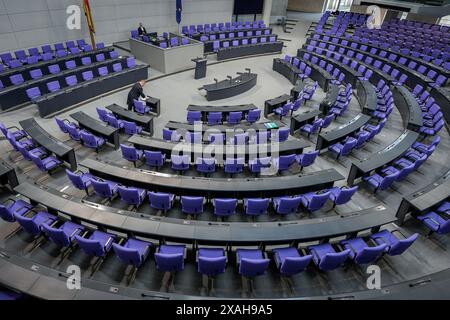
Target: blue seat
(214, 118)
(91, 141)
(206, 165)
(251, 262)
(194, 116)
(104, 188)
(33, 225)
(313, 201)
(80, 180)
(132, 196)
(289, 261)
(342, 195)
(283, 110)
(97, 244)
(311, 128)
(259, 164)
(192, 205)
(154, 158)
(14, 206)
(343, 149)
(306, 159)
(256, 206)
(133, 251)
(326, 258)
(380, 182)
(63, 235)
(395, 246)
(281, 135)
(161, 201)
(130, 153)
(170, 258)
(171, 135)
(361, 252)
(211, 261)
(233, 166)
(180, 163)
(253, 115)
(234, 117)
(224, 207)
(283, 163)
(436, 222)
(131, 128)
(286, 205)
(46, 164)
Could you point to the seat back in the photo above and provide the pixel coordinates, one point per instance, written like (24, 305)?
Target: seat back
(212, 266)
(56, 235)
(370, 254)
(294, 265)
(129, 195)
(6, 214)
(169, 262)
(318, 201)
(225, 207)
(28, 224)
(91, 247)
(192, 205)
(308, 158)
(286, 161)
(154, 158)
(76, 180)
(345, 195)
(333, 260)
(257, 206)
(401, 246)
(253, 267)
(160, 200)
(288, 205)
(102, 189)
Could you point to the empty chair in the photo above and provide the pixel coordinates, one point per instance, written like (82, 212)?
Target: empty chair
(36, 74)
(73, 131)
(379, 182)
(260, 164)
(233, 166)
(283, 110)
(286, 205)
(425, 148)
(211, 261)
(234, 117)
(14, 207)
(131, 127)
(130, 153)
(53, 86)
(311, 128)
(342, 195)
(161, 201)
(102, 71)
(87, 75)
(343, 149)
(98, 244)
(361, 252)
(133, 252)
(214, 118)
(395, 246)
(289, 261)
(132, 196)
(224, 207)
(256, 206)
(180, 163)
(85, 61)
(306, 159)
(251, 262)
(140, 107)
(70, 64)
(194, 137)
(206, 165)
(283, 163)
(104, 188)
(80, 180)
(154, 158)
(33, 225)
(170, 258)
(17, 134)
(326, 257)
(194, 116)
(63, 235)
(71, 80)
(171, 135)
(54, 69)
(16, 79)
(91, 141)
(117, 67)
(281, 135)
(192, 205)
(313, 201)
(435, 222)
(103, 114)
(46, 164)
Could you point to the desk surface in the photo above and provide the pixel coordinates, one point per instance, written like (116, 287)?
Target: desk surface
(415, 112)
(95, 125)
(306, 115)
(230, 108)
(128, 114)
(223, 127)
(43, 138)
(347, 128)
(147, 143)
(388, 154)
(188, 230)
(234, 82)
(366, 95)
(214, 187)
(4, 168)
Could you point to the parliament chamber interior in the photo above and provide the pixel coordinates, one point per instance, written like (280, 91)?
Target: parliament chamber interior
(224, 149)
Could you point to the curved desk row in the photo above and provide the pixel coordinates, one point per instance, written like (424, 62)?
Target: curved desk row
(425, 199)
(367, 96)
(110, 134)
(43, 65)
(209, 45)
(204, 232)
(382, 157)
(145, 121)
(409, 108)
(249, 50)
(269, 186)
(330, 98)
(304, 118)
(224, 128)
(340, 133)
(249, 151)
(197, 35)
(230, 88)
(16, 95)
(49, 142)
(244, 108)
(8, 175)
(274, 103)
(414, 77)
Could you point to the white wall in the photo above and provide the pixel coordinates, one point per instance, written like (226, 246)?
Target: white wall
(28, 23)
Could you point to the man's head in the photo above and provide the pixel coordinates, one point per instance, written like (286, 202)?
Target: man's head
(140, 24)
(142, 82)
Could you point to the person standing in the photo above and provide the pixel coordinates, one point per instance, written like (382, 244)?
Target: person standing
(141, 29)
(136, 92)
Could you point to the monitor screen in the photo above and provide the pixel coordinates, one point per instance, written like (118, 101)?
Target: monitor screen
(248, 6)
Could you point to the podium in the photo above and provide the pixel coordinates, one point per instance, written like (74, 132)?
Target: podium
(200, 68)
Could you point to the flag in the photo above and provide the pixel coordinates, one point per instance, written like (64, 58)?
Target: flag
(88, 13)
(179, 9)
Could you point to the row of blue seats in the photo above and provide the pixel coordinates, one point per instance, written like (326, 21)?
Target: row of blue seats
(289, 107)
(47, 54)
(211, 261)
(109, 118)
(223, 207)
(222, 26)
(437, 220)
(232, 35)
(208, 165)
(53, 86)
(233, 117)
(226, 44)
(17, 79)
(432, 115)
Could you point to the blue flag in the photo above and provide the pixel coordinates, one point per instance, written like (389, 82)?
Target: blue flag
(179, 9)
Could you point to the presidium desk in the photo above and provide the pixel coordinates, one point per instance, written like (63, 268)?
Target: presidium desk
(231, 87)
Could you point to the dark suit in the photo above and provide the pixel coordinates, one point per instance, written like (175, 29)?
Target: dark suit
(134, 94)
(141, 31)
